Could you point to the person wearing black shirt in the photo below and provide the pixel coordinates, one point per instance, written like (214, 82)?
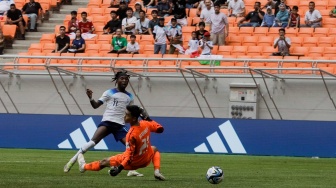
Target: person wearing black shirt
(201, 31)
(14, 16)
(179, 12)
(121, 12)
(113, 24)
(149, 3)
(255, 17)
(32, 9)
(62, 41)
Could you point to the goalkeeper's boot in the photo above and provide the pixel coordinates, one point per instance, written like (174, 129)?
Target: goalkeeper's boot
(134, 173)
(81, 162)
(159, 176)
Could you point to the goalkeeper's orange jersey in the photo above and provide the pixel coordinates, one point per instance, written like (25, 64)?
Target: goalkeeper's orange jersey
(138, 147)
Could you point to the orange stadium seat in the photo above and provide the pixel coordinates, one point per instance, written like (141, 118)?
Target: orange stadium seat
(300, 50)
(310, 41)
(47, 38)
(109, 61)
(94, 4)
(273, 31)
(80, 10)
(224, 50)
(189, 21)
(92, 48)
(321, 5)
(97, 11)
(105, 48)
(326, 41)
(321, 64)
(331, 4)
(332, 32)
(328, 22)
(265, 41)
(193, 12)
(35, 47)
(250, 41)
(321, 32)
(24, 61)
(234, 31)
(246, 31)
(147, 39)
(123, 62)
(268, 50)
(53, 61)
(254, 50)
(291, 32)
(148, 49)
(315, 51)
(232, 22)
(187, 30)
(296, 41)
(260, 31)
(104, 39)
(48, 47)
(329, 52)
(305, 32)
(324, 13)
(195, 21)
(239, 50)
(107, 11)
(235, 40)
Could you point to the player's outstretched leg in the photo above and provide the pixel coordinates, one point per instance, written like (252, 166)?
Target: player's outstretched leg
(73, 160)
(157, 163)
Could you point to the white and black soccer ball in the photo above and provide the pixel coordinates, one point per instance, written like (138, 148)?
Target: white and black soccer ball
(215, 175)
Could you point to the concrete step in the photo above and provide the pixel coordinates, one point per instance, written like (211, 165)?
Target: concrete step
(13, 52)
(21, 44)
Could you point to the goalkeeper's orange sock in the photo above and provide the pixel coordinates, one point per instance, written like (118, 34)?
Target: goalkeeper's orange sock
(94, 166)
(157, 160)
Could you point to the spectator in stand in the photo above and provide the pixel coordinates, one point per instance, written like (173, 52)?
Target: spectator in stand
(114, 24)
(165, 8)
(132, 46)
(179, 12)
(121, 12)
(142, 24)
(282, 43)
(269, 18)
(137, 9)
(333, 12)
(313, 17)
(159, 34)
(14, 16)
(2, 43)
(206, 44)
(219, 26)
(149, 3)
(236, 8)
(32, 9)
(62, 41)
(281, 19)
(192, 3)
(128, 23)
(174, 34)
(78, 44)
(153, 22)
(5, 6)
(255, 17)
(193, 45)
(119, 43)
(73, 23)
(85, 25)
(206, 13)
(294, 18)
(201, 31)
(201, 6)
(277, 6)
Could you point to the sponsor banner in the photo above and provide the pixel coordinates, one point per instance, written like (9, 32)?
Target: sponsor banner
(187, 135)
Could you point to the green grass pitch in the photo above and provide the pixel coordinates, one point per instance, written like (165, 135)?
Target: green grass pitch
(44, 168)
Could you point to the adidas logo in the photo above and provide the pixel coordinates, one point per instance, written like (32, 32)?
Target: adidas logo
(216, 143)
(79, 139)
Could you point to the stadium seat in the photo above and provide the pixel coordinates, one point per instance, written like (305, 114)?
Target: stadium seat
(235, 40)
(124, 61)
(48, 47)
(35, 47)
(107, 11)
(321, 5)
(92, 48)
(260, 31)
(147, 39)
(193, 12)
(148, 49)
(328, 22)
(189, 21)
(250, 41)
(195, 21)
(326, 41)
(47, 38)
(300, 50)
(265, 41)
(310, 41)
(254, 50)
(186, 30)
(104, 48)
(104, 39)
(224, 50)
(321, 64)
(292, 32)
(329, 52)
(332, 32)
(246, 31)
(305, 32)
(315, 51)
(234, 31)
(97, 11)
(321, 32)
(80, 10)
(99, 20)
(232, 22)
(268, 50)
(239, 50)
(273, 31)
(94, 4)
(296, 41)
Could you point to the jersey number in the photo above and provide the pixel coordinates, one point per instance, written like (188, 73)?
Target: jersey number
(115, 102)
(144, 145)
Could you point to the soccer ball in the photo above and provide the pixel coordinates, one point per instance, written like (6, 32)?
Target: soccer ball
(215, 175)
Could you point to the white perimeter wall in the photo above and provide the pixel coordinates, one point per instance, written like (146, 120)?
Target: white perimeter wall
(295, 99)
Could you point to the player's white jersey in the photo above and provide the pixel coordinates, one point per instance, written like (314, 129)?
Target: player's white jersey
(116, 103)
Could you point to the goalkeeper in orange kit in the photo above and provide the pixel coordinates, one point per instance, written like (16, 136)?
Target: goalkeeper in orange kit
(139, 152)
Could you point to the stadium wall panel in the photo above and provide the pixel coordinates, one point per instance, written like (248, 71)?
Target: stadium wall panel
(181, 135)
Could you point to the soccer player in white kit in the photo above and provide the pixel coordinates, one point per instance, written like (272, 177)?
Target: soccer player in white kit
(113, 122)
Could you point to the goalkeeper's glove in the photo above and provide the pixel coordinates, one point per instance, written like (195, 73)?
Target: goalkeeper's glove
(144, 115)
(116, 170)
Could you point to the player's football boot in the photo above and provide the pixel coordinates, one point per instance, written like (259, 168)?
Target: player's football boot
(159, 176)
(68, 166)
(81, 162)
(134, 173)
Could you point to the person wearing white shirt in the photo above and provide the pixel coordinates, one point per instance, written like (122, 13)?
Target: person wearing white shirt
(236, 8)
(174, 34)
(219, 27)
(282, 43)
(132, 46)
(142, 24)
(128, 23)
(206, 13)
(193, 44)
(206, 44)
(160, 37)
(202, 6)
(5, 6)
(313, 17)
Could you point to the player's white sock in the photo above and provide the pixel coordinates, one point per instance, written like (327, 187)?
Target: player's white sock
(84, 149)
(156, 171)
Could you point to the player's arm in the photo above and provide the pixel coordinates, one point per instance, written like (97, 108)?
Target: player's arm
(94, 104)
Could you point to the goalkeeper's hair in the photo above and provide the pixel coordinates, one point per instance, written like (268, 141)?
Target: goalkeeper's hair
(134, 110)
(119, 74)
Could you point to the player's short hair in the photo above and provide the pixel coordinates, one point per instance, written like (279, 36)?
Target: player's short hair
(84, 13)
(134, 110)
(295, 8)
(312, 2)
(201, 24)
(119, 74)
(12, 5)
(282, 29)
